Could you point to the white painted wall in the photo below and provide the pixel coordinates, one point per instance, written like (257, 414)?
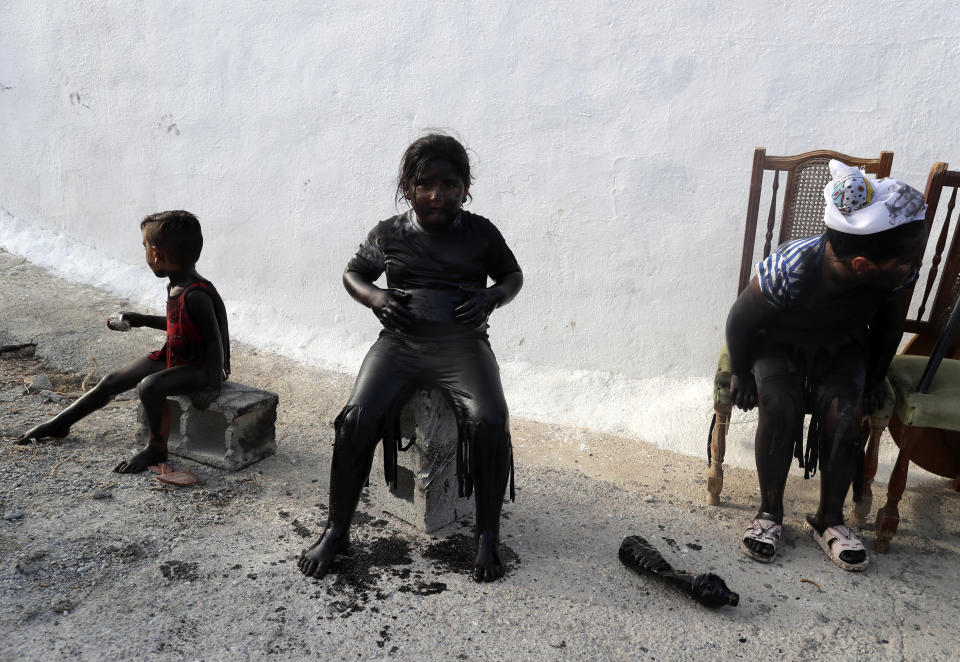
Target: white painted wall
(612, 143)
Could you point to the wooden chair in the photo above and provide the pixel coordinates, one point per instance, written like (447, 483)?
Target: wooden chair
(801, 216)
(925, 420)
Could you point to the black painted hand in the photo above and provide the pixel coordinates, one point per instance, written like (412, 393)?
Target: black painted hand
(743, 390)
(874, 393)
(135, 319)
(477, 308)
(390, 307)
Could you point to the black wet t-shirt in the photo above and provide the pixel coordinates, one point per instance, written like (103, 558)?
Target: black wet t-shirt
(438, 268)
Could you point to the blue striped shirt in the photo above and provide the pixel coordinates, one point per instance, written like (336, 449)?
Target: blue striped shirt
(784, 272)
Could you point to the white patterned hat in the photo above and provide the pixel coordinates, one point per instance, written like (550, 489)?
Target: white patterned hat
(858, 203)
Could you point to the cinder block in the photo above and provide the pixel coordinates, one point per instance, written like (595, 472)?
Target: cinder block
(236, 430)
(426, 493)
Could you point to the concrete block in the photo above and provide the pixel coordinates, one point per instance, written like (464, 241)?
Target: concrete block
(236, 430)
(426, 493)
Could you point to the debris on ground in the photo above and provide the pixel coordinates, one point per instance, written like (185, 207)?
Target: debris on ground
(22, 350)
(181, 478)
(37, 384)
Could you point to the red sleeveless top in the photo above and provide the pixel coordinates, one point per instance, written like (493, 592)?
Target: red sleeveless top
(184, 345)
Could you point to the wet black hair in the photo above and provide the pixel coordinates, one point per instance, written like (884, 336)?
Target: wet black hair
(427, 148)
(905, 241)
(177, 232)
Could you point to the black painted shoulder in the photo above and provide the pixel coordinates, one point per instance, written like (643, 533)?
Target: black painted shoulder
(477, 221)
(390, 226)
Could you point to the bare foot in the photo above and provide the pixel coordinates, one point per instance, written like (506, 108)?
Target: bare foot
(316, 561)
(488, 565)
(49, 429)
(142, 460)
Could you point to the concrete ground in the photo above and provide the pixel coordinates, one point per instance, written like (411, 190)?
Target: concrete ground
(95, 565)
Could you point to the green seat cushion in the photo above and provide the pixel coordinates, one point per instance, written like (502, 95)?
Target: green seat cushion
(885, 410)
(938, 408)
(721, 381)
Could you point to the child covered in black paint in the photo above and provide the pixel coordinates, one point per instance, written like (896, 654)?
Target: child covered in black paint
(815, 330)
(437, 258)
(195, 359)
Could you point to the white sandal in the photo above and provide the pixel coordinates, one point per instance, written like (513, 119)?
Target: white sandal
(837, 539)
(763, 530)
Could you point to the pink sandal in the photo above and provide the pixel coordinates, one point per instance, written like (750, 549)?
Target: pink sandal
(765, 531)
(838, 539)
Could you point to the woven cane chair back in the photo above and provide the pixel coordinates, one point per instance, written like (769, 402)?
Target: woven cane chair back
(801, 214)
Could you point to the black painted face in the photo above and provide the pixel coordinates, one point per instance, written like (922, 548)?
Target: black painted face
(894, 272)
(438, 194)
(152, 257)
(891, 274)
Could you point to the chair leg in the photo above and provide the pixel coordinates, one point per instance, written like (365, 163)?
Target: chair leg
(888, 517)
(718, 447)
(862, 510)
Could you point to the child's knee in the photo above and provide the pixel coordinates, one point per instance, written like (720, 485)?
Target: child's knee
(357, 422)
(840, 400)
(488, 430)
(781, 401)
(489, 420)
(149, 388)
(843, 414)
(112, 383)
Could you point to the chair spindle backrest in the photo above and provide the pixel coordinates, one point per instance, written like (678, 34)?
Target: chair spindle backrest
(942, 279)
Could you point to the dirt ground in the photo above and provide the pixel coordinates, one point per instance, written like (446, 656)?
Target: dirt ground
(96, 565)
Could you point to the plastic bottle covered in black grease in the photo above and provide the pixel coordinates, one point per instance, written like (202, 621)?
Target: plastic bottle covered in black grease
(708, 589)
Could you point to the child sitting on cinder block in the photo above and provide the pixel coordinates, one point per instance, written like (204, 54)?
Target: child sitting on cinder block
(194, 360)
(816, 330)
(437, 258)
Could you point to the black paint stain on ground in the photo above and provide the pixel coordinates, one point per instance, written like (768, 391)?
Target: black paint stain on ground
(358, 575)
(356, 570)
(694, 546)
(423, 588)
(180, 640)
(127, 552)
(220, 499)
(179, 570)
(349, 607)
(672, 544)
(300, 529)
(361, 518)
(455, 553)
